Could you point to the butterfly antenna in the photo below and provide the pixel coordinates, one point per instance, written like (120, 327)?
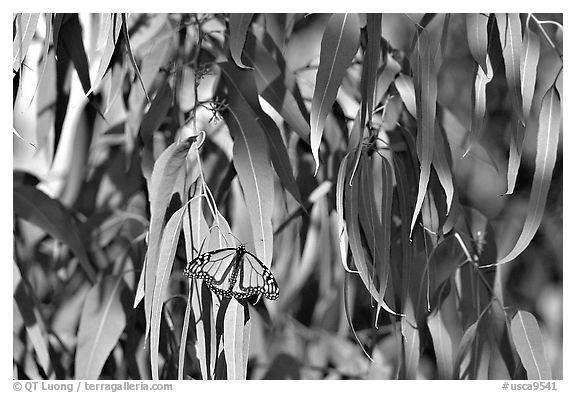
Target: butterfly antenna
(238, 240)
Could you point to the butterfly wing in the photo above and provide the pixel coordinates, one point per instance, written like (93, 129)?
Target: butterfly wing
(213, 267)
(256, 279)
(216, 268)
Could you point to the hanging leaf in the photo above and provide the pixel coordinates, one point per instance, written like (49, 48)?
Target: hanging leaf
(339, 45)
(25, 29)
(463, 348)
(111, 37)
(102, 322)
(370, 66)
(528, 341)
(511, 41)
(442, 162)
(252, 162)
(477, 33)
(45, 51)
(405, 87)
(241, 84)
(70, 40)
(479, 104)
(239, 24)
(529, 65)
(270, 81)
(166, 254)
(548, 133)
(164, 176)
(52, 217)
(442, 345)
(515, 154)
(156, 114)
(236, 339)
(126, 37)
(342, 231)
(425, 86)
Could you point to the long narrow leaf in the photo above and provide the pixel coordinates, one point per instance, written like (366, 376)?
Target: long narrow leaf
(164, 176)
(370, 66)
(425, 86)
(270, 81)
(510, 30)
(26, 27)
(405, 87)
(528, 341)
(252, 162)
(241, 84)
(112, 34)
(529, 63)
(52, 217)
(236, 321)
(442, 345)
(165, 261)
(548, 135)
(339, 45)
(103, 321)
(477, 33)
(239, 24)
(342, 231)
(479, 104)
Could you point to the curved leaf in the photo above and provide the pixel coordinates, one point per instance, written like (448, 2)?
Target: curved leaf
(342, 231)
(270, 81)
(529, 65)
(510, 31)
(528, 341)
(479, 104)
(339, 45)
(112, 33)
(425, 86)
(547, 145)
(102, 322)
(477, 33)
(239, 24)
(131, 55)
(70, 39)
(165, 262)
(164, 175)
(241, 84)
(405, 87)
(463, 348)
(442, 163)
(252, 162)
(352, 210)
(52, 217)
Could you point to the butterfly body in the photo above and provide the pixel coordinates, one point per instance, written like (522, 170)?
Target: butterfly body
(233, 272)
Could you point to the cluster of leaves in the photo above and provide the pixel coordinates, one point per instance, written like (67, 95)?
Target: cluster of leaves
(319, 142)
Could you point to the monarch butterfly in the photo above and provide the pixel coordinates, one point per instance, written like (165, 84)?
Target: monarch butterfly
(233, 272)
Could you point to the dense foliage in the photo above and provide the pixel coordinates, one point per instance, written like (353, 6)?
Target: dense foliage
(400, 175)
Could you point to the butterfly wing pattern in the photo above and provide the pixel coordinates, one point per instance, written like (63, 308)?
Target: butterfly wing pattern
(233, 272)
